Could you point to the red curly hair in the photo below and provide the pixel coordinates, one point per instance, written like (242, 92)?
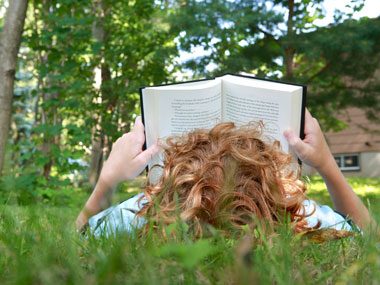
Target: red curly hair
(226, 177)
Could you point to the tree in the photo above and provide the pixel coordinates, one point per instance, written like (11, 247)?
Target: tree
(279, 39)
(10, 43)
(340, 63)
(69, 44)
(101, 36)
(134, 48)
(58, 39)
(251, 36)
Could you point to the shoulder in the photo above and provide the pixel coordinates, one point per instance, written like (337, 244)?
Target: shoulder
(327, 217)
(119, 218)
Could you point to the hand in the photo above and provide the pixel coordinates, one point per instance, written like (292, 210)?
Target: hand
(127, 160)
(313, 150)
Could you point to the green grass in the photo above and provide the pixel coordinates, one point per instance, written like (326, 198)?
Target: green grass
(38, 245)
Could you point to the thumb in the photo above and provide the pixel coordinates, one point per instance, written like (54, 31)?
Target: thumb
(144, 157)
(295, 142)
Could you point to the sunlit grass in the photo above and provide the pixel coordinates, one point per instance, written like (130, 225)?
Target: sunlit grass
(39, 245)
(368, 189)
(361, 186)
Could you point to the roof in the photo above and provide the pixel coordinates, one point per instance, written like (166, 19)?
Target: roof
(361, 135)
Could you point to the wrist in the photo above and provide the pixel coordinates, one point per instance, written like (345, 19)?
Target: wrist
(328, 167)
(101, 196)
(107, 180)
(81, 220)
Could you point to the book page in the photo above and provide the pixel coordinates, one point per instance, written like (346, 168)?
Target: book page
(194, 112)
(175, 110)
(150, 114)
(276, 108)
(181, 111)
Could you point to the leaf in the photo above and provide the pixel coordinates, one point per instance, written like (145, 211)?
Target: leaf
(189, 255)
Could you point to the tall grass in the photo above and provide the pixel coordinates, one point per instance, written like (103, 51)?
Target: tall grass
(39, 245)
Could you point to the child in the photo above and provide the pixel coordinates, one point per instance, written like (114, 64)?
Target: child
(227, 177)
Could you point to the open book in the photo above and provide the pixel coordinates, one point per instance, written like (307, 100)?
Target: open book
(174, 109)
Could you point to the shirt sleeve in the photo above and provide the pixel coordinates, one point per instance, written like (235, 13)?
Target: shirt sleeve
(327, 217)
(120, 218)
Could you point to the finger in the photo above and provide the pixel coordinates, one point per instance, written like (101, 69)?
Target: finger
(294, 141)
(309, 122)
(138, 129)
(145, 156)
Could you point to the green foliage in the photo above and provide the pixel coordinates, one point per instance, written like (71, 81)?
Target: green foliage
(28, 188)
(342, 59)
(2, 13)
(244, 36)
(189, 255)
(19, 189)
(40, 246)
(366, 188)
(258, 37)
(81, 65)
(60, 107)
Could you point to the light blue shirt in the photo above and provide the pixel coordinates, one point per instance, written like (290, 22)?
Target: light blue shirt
(120, 218)
(328, 218)
(123, 218)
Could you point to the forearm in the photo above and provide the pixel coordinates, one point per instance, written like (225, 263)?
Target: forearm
(126, 161)
(343, 197)
(99, 200)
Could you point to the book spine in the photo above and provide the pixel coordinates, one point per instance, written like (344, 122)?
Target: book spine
(303, 110)
(143, 121)
(142, 113)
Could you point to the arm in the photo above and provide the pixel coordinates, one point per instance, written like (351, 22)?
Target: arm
(314, 151)
(126, 161)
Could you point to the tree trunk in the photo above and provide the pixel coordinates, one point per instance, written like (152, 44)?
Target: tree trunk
(49, 117)
(99, 140)
(10, 44)
(97, 156)
(49, 114)
(289, 49)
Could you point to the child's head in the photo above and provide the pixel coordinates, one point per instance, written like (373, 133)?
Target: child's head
(226, 177)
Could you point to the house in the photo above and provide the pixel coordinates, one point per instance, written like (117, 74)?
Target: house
(357, 148)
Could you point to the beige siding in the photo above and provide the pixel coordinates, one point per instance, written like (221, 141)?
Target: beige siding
(369, 166)
(361, 135)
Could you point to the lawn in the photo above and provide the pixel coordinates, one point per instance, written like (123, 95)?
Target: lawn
(38, 245)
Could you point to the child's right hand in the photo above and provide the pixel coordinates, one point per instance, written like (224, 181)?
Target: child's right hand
(127, 159)
(313, 150)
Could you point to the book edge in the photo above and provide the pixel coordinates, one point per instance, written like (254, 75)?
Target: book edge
(239, 75)
(303, 103)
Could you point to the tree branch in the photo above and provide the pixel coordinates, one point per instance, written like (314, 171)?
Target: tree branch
(319, 72)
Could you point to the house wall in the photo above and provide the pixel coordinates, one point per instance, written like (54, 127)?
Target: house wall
(369, 166)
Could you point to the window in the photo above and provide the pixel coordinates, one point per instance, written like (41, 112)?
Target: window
(347, 162)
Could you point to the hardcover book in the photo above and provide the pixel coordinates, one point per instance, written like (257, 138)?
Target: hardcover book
(178, 108)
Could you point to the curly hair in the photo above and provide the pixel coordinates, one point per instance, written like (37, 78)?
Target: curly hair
(227, 177)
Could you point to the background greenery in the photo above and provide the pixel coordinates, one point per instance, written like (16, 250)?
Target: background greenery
(80, 67)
